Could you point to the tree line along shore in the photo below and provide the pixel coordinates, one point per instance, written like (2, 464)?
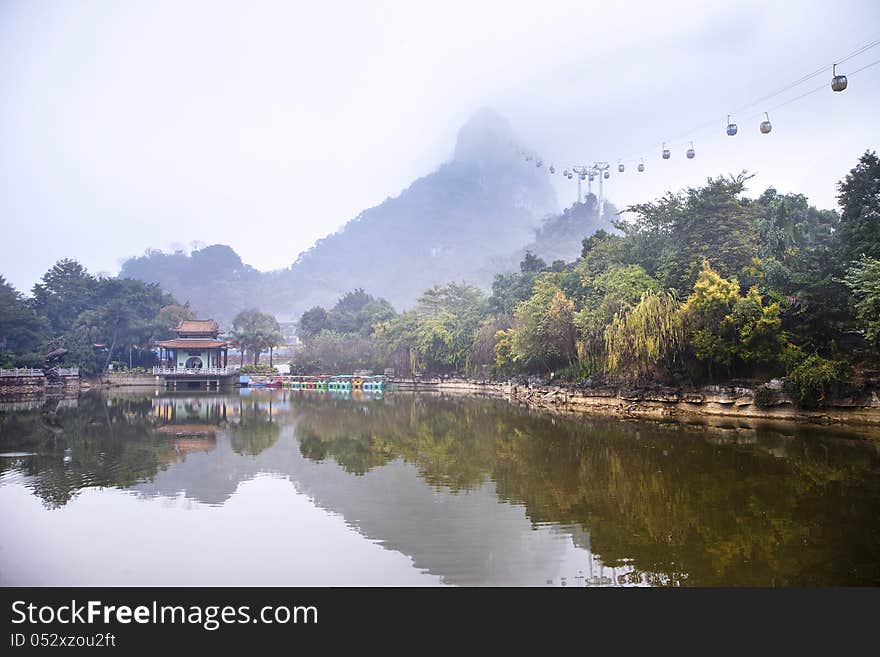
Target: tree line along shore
(701, 287)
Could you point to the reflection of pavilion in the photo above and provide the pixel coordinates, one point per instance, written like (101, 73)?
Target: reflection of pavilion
(190, 417)
(594, 572)
(194, 444)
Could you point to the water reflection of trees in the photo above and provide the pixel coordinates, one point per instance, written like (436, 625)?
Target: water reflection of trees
(692, 505)
(102, 442)
(448, 448)
(255, 429)
(684, 505)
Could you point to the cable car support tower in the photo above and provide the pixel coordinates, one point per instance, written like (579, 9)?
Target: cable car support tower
(601, 169)
(582, 173)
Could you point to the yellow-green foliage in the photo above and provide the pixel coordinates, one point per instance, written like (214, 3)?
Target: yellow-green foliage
(504, 355)
(648, 336)
(726, 328)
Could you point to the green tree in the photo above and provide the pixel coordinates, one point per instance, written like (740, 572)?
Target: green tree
(448, 318)
(672, 237)
(799, 267)
(544, 333)
(312, 322)
(859, 197)
(510, 289)
(123, 313)
(483, 353)
(256, 331)
(863, 280)
(63, 292)
(22, 330)
(397, 341)
(356, 313)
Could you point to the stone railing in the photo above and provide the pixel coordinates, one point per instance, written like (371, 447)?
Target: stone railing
(185, 371)
(21, 371)
(29, 371)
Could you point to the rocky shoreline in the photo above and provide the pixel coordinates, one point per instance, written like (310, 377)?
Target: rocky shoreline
(718, 401)
(36, 385)
(730, 401)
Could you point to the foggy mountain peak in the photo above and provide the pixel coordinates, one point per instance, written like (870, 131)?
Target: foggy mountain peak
(485, 136)
(467, 220)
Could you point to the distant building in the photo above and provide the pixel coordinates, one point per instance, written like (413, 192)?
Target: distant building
(288, 332)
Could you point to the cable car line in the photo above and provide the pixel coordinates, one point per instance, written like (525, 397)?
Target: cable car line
(601, 169)
(810, 76)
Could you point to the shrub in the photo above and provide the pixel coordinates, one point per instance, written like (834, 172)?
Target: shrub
(574, 373)
(817, 380)
(765, 397)
(258, 369)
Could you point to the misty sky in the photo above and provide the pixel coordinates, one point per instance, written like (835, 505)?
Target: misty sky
(267, 125)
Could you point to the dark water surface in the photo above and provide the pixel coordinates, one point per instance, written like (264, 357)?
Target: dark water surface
(296, 488)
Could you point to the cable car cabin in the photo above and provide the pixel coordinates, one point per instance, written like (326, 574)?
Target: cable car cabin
(552, 169)
(691, 152)
(731, 127)
(766, 126)
(666, 153)
(838, 82)
(620, 168)
(606, 175)
(641, 167)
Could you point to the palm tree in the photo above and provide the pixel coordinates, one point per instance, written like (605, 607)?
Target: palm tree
(239, 339)
(273, 339)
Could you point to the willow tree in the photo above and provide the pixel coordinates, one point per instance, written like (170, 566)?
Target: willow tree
(645, 342)
(613, 291)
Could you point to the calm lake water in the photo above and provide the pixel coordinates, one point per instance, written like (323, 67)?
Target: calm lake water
(296, 488)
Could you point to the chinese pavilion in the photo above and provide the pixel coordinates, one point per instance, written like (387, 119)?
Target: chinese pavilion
(196, 347)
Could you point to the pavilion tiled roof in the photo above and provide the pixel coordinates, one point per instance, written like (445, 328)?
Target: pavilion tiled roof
(198, 326)
(191, 343)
